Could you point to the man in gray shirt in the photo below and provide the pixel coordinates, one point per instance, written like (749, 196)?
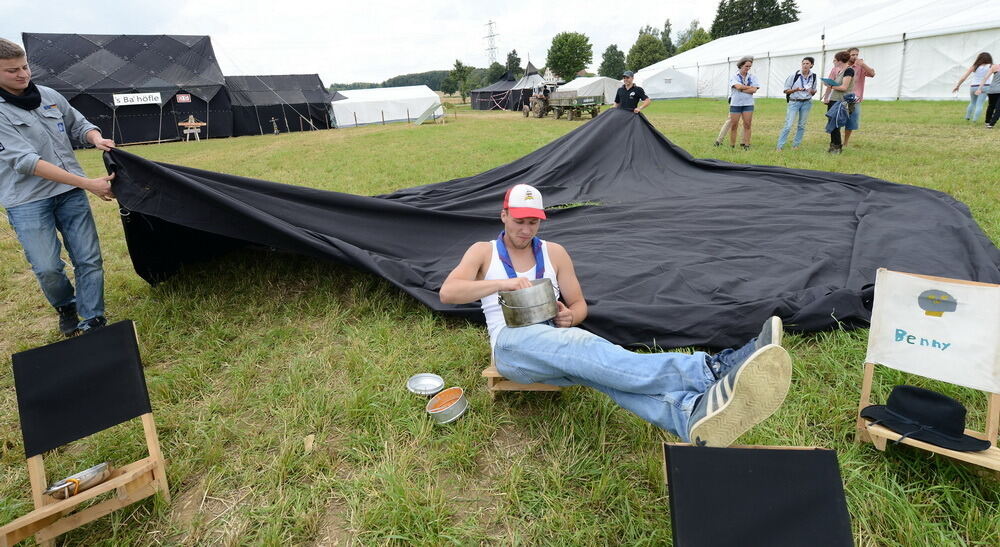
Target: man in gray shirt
(42, 189)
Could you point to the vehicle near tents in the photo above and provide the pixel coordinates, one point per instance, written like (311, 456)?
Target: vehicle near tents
(296, 102)
(177, 77)
(493, 96)
(918, 49)
(385, 105)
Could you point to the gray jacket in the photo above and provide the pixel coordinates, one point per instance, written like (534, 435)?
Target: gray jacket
(44, 133)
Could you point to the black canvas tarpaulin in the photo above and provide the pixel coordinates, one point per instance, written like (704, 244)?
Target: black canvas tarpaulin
(756, 496)
(670, 250)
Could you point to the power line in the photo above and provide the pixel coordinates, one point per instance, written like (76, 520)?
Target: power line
(491, 51)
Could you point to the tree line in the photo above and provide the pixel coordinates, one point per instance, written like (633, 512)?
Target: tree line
(571, 52)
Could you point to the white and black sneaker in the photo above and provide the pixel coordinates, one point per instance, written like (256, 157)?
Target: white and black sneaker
(770, 333)
(746, 395)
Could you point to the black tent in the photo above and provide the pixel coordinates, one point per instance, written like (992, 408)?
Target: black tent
(296, 102)
(520, 93)
(670, 250)
(493, 96)
(89, 69)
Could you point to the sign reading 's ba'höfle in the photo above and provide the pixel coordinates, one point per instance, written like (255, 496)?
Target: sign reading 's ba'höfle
(126, 99)
(945, 329)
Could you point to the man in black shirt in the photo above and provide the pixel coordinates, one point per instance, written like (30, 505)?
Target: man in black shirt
(629, 95)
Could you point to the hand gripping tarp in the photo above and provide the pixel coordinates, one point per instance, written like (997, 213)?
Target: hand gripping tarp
(670, 250)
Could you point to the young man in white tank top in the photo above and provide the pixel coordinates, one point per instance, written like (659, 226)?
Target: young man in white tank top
(706, 399)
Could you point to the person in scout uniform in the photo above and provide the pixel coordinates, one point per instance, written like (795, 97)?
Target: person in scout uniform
(705, 399)
(42, 189)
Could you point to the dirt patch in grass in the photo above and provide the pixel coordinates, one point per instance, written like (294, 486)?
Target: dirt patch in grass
(334, 529)
(202, 517)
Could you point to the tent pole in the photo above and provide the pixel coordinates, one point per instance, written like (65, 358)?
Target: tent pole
(283, 115)
(159, 126)
(767, 86)
(822, 57)
(902, 67)
(257, 115)
(114, 123)
(207, 110)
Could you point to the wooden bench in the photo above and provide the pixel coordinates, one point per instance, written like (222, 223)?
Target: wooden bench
(496, 382)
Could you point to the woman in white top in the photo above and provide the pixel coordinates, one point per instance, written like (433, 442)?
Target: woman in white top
(977, 95)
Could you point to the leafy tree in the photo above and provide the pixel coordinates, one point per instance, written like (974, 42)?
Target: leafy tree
(514, 64)
(739, 16)
(462, 76)
(449, 86)
(648, 49)
(612, 62)
(668, 44)
(495, 72)
(354, 85)
(569, 53)
(650, 31)
(698, 37)
(431, 79)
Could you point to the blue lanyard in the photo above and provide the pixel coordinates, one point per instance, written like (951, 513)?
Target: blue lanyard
(536, 246)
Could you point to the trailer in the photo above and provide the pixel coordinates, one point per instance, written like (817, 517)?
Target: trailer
(575, 107)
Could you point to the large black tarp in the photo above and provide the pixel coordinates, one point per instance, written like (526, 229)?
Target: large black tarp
(669, 249)
(88, 69)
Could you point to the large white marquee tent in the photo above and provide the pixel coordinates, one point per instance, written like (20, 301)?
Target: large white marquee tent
(384, 105)
(918, 48)
(589, 86)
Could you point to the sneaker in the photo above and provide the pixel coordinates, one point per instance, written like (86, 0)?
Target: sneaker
(745, 146)
(746, 396)
(68, 320)
(718, 143)
(834, 149)
(770, 333)
(92, 323)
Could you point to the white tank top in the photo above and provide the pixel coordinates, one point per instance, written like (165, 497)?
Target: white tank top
(978, 75)
(491, 307)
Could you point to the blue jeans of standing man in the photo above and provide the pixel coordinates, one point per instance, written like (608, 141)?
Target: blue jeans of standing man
(795, 108)
(661, 388)
(36, 224)
(976, 102)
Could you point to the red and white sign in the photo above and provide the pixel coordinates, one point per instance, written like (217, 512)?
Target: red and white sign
(183, 97)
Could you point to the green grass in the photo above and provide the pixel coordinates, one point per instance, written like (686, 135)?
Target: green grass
(248, 355)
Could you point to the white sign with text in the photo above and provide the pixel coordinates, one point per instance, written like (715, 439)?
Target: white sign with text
(127, 99)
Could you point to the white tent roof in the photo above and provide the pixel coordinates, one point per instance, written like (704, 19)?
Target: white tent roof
(388, 104)
(529, 82)
(589, 86)
(946, 38)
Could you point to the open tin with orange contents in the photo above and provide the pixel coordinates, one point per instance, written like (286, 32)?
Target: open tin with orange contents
(448, 405)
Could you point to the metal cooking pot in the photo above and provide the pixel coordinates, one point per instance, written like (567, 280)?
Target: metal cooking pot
(530, 306)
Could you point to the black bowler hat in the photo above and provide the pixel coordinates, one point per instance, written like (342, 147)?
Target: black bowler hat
(925, 415)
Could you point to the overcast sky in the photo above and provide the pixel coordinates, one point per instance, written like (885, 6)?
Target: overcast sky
(368, 40)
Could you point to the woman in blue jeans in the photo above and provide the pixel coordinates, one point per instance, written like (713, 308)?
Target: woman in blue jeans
(977, 91)
(799, 88)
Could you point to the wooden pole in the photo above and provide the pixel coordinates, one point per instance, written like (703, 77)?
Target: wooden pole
(383, 116)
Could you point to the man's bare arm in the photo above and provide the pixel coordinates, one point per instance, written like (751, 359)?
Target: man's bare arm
(465, 283)
(575, 310)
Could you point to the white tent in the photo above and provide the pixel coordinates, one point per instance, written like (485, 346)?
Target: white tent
(588, 87)
(384, 105)
(918, 48)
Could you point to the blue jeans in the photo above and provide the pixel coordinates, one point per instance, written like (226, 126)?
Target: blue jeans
(36, 223)
(661, 388)
(795, 108)
(975, 103)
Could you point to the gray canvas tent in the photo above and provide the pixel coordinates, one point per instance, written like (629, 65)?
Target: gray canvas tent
(295, 102)
(520, 92)
(89, 69)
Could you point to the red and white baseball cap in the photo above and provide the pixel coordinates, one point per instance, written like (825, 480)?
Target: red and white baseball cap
(523, 201)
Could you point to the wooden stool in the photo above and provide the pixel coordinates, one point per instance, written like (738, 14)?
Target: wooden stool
(496, 382)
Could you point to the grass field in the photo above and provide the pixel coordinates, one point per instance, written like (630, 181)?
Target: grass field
(248, 355)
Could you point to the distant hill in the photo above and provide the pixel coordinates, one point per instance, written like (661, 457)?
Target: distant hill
(431, 79)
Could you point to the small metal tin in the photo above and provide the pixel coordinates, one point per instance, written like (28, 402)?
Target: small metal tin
(425, 383)
(448, 405)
